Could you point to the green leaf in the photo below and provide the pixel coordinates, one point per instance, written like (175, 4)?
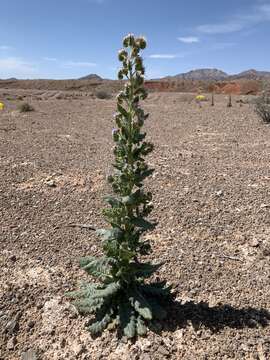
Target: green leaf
(144, 269)
(126, 254)
(141, 328)
(142, 223)
(88, 305)
(111, 248)
(141, 305)
(114, 202)
(127, 319)
(146, 173)
(101, 324)
(157, 289)
(133, 198)
(122, 111)
(98, 267)
(108, 291)
(111, 234)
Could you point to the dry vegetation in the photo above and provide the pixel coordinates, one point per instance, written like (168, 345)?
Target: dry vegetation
(211, 199)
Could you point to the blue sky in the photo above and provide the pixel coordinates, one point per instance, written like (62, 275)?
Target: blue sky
(68, 39)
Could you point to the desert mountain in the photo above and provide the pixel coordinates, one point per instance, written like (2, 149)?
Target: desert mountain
(219, 75)
(252, 75)
(202, 74)
(91, 77)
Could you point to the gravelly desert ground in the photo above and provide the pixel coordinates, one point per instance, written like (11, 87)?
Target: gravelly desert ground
(212, 201)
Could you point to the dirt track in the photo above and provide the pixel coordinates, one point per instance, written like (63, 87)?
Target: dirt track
(212, 201)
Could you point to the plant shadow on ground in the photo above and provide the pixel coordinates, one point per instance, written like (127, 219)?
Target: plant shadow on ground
(202, 316)
(216, 318)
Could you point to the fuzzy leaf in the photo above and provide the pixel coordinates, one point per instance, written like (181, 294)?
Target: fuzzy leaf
(144, 269)
(157, 289)
(142, 223)
(86, 290)
(98, 267)
(126, 254)
(114, 202)
(100, 325)
(141, 305)
(108, 291)
(122, 111)
(110, 234)
(127, 319)
(141, 328)
(88, 305)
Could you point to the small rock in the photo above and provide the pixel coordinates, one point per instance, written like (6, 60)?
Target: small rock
(254, 243)
(78, 349)
(145, 357)
(31, 324)
(219, 193)
(11, 343)
(29, 355)
(13, 258)
(163, 351)
(51, 183)
(12, 326)
(245, 347)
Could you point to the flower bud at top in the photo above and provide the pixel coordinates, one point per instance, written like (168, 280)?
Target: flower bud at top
(141, 42)
(122, 54)
(129, 40)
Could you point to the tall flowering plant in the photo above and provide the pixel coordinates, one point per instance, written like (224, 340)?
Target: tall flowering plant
(122, 297)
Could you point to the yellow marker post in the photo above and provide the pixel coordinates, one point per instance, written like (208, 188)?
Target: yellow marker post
(2, 106)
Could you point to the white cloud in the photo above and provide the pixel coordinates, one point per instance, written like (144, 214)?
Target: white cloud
(220, 28)
(13, 63)
(16, 67)
(78, 64)
(257, 14)
(163, 56)
(5, 47)
(189, 39)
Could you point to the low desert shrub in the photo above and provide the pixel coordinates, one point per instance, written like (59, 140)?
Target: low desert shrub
(262, 107)
(124, 297)
(102, 94)
(25, 107)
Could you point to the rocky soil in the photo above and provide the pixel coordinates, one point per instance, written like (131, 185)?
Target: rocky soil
(212, 201)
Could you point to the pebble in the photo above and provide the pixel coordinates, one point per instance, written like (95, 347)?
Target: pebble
(12, 326)
(254, 243)
(51, 183)
(11, 343)
(29, 355)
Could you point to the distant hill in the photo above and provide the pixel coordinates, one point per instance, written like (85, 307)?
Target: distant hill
(91, 77)
(252, 75)
(219, 75)
(202, 74)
